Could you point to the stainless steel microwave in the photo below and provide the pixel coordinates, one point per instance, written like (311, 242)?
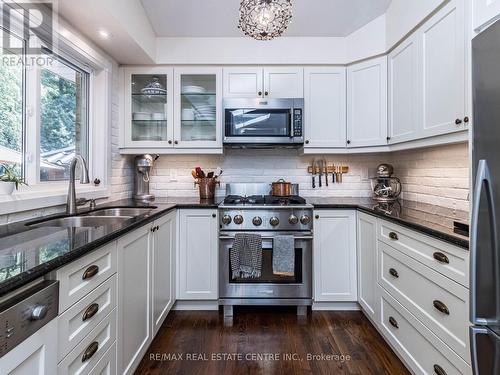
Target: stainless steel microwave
(261, 122)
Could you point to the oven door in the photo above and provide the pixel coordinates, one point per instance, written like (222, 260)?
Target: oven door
(273, 121)
(268, 285)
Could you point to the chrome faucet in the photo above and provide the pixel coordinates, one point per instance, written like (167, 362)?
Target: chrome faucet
(84, 179)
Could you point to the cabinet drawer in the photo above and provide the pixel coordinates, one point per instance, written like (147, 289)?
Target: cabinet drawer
(438, 302)
(93, 346)
(107, 364)
(446, 259)
(81, 318)
(419, 347)
(78, 278)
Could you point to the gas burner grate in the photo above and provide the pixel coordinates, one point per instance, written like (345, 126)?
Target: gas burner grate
(236, 199)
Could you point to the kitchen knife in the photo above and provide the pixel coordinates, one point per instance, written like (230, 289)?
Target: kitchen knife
(326, 171)
(314, 174)
(320, 165)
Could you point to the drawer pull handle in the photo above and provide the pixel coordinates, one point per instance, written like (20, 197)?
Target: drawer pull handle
(90, 272)
(393, 236)
(441, 258)
(90, 311)
(439, 370)
(394, 273)
(393, 322)
(90, 351)
(441, 307)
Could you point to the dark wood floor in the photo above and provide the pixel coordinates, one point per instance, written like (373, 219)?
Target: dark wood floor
(196, 342)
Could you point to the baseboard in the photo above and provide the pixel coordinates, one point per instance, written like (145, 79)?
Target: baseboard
(336, 306)
(196, 305)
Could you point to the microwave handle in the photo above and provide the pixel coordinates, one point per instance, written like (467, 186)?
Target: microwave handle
(290, 118)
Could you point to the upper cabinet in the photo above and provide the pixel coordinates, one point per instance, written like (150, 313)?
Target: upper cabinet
(443, 74)
(427, 75)
(258, 82)
(403, 96)
(325, 107)
(198, 105)
(171, 111)
(485, 12)
(367, 103)
(148, 100)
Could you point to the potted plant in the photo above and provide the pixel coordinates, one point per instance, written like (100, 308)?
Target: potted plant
(9, 179)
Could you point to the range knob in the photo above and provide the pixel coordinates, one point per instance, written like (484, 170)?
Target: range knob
(226, 220)
(238, 219)
(293, 219)
(38, 312)
(305, 219)
(274, 221)
(257, 221)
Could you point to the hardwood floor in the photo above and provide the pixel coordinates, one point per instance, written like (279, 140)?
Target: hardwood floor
(195, 342)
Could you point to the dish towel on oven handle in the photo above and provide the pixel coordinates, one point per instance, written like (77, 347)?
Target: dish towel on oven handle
(246, 256)
(284, 255)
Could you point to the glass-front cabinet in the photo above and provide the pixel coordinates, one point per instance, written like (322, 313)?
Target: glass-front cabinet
(172, 108)
(148, 107)
(198, 104)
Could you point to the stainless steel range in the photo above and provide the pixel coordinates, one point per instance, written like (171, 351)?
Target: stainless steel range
(249, 209)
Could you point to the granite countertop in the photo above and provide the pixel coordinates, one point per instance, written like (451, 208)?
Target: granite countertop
(27, 253)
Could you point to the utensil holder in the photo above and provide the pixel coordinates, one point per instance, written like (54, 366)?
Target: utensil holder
(207, 187)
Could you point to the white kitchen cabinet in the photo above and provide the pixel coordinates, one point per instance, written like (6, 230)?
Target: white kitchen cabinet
(37, 355)
(268, 82)
(403, 96)
(334, 264)
(367, 265)
(163, 266)
(443, 73)
(325, 107)
(367, 103)
(243, 82)
(284, 82)
(198, 106)
(148, 116)
(485, 12)
(198, 255)
(134, 298)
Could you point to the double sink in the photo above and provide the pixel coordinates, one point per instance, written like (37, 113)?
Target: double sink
(97, 218)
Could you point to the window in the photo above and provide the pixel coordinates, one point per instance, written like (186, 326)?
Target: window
(11, 110)
(63, 119)
(44, 116)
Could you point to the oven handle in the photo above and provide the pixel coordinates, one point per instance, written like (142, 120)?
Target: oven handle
(225, 237)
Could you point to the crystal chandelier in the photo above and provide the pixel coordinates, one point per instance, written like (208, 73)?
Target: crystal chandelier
(265, 19)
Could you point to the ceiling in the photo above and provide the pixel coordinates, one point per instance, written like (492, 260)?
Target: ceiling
(218, 18)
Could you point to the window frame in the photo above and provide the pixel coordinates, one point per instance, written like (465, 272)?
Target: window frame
(74, 48)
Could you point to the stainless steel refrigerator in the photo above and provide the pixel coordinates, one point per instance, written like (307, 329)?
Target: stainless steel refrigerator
(484, 239)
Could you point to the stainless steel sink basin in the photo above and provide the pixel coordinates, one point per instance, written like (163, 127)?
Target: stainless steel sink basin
(81, 221)
(121, 211)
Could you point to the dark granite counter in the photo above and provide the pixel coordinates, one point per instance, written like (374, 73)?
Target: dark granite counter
(27, 253)
(432, 220)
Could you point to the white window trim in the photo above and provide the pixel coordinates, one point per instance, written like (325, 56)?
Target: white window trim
(72, 47)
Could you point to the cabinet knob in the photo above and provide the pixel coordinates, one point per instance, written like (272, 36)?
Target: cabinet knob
(266, 93)
(214, 215)
(170, 142)
(441, 307)
(388, 138)
(348, 142)
(458, 121)
(260, 93)
(176, 142)
(394, 273)
(466, 120)
(393, 322)
(317, 216)
(393, 236)
(439, 370)
(307, 142)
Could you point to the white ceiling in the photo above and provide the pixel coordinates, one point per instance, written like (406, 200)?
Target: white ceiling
(219, 18)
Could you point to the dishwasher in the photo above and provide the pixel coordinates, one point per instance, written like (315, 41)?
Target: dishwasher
(28, 330)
